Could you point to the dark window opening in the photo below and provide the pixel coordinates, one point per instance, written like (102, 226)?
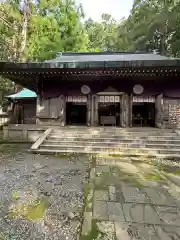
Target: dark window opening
(143, 114)
(76, 113)
(111, 110)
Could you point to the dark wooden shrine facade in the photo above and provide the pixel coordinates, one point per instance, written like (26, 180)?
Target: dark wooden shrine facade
(110, 77)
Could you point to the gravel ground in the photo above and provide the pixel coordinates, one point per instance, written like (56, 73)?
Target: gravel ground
(41, 196)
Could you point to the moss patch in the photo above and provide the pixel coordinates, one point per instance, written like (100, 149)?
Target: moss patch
(128, 178)
(104, 180)
(170, 169)
(9, 148)
(15, 195)
(152, 176)
(86, 192)
(63, 155)
(32, 211)
(93, 235)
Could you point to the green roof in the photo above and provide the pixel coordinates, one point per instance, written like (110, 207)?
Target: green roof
(25, 93)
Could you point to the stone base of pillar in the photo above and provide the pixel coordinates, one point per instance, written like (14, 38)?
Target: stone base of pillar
(178, 125)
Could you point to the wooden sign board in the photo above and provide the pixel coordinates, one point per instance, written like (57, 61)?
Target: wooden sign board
(108, 99)
(138, 99)
(76, 99)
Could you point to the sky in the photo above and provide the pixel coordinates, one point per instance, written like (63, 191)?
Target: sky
(116, 8)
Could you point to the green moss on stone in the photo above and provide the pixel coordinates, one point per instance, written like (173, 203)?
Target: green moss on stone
(93, 234)
(31, 211)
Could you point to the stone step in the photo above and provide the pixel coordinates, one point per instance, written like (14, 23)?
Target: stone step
(114, 153)
(107, 129)
(137, 144)
(112, 137)
(106, 149)
(90, 130)
(116, 133)
(111, 140)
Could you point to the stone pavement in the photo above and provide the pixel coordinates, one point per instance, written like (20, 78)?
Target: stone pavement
(128, 204)
(41, 196)
(44, 197)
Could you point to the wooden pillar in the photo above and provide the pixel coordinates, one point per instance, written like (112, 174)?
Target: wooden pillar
(122, 111)
(130, 109)
(38, 105)
(43, 109)
(88, 121)
(62, 110)
(159, 111)
(95, 117)
(126, 110)
(92, 110)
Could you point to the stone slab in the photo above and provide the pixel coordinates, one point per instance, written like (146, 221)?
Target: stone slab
(92, 174)
(102, 169)
(106, 227)
(160, 196)
(100, 195)
(168, 232)
(100, 211)
(86, 227)
(169, 215)
(40, 140)
(112, 193)
(128, 231)
(140, 213)
(133, 194)
(115, 211)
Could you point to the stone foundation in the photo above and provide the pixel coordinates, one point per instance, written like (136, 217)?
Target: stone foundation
(22, 132)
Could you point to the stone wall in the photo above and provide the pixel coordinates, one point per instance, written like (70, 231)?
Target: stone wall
(22, 133)
(171, 112)
(4, 119)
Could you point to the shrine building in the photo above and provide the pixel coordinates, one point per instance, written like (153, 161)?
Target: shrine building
(101, 89)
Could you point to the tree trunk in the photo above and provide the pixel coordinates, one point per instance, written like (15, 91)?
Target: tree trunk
(24, 29)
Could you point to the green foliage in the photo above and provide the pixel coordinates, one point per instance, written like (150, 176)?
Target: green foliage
(36, 32)
(102, 34)
(55, 27)
(6, 88)
(153, 26)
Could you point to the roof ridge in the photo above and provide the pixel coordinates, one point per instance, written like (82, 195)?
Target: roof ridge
(101, 53)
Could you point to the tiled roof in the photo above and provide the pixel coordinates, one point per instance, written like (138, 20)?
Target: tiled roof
(109, 56)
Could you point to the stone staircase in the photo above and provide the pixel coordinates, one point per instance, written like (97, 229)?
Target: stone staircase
(145, 142)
